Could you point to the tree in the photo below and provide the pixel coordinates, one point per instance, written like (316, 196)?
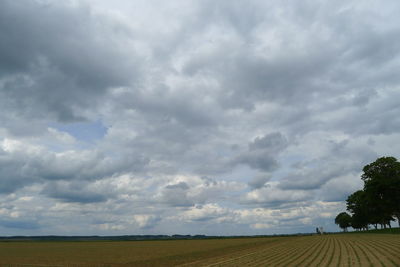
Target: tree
(379, 201)
(356, 204)
(382, 186)
(343, 219)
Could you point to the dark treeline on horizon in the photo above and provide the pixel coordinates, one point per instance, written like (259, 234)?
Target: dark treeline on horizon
(133, 237)
(378, 203)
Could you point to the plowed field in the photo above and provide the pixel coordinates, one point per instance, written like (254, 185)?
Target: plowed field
(327, 250)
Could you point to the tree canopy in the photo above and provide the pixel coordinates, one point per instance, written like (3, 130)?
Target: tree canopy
(379, 201)
(382, 186)
(343, 219)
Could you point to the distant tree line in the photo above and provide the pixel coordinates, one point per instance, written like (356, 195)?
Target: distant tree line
(379, 201)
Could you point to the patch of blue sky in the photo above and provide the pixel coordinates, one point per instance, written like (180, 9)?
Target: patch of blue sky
(87, 132)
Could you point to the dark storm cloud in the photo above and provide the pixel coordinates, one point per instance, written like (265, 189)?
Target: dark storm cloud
(58, 59)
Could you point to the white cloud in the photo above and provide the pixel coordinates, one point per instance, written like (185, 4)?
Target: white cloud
(271, 194)
(204, 212)
(261, 226)
(145, 220)
(239, 117)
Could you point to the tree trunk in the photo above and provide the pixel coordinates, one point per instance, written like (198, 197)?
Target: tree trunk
(376, 226)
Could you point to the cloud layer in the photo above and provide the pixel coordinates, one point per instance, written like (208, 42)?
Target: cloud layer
(191, 117)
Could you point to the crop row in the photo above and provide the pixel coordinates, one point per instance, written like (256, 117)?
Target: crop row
(327, 250)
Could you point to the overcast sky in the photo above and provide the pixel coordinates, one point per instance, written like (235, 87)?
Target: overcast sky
(192, 117)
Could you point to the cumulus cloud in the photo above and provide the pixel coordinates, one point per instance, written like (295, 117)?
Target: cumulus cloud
(271, 194)
(205, 212)
(176, 195)
(26, 163)
(73, 192)
(259, 180)
(263, 151)
(146, 220)
(57, 59)
(149, 118)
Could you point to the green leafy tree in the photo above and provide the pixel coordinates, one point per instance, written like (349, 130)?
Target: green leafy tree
(343, 219)
(356, 204)
(382, 186)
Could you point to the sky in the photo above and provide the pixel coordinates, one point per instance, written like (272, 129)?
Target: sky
(192, 117)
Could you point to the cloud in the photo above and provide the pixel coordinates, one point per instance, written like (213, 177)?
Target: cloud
(261, 226)
(146, 220)
(187, 191)
(20, 224)
(342, 158)
(176, 195)
(73, 192)
(272, 195)
(263, 151)
(204, 212)
(54, 61)
(259, 180)
(214, 116)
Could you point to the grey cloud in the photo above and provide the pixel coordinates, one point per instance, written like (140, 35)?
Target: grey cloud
(364, 97)
(263, 151)
(20, 224)
(261, 160)
(26, 165)
(273, 196)
(176, 195)
(241, 97)
(340, 188)
(317, 56)
(345, 158)
(74, 192)
(58, 58)
(12, 174)
(284, 80)
(273, 142)
(203, 213)
(181, 185)
(197, 191)
(259, 180)
(161, 103)
(313, 178)
(378, 117)
(146, 221)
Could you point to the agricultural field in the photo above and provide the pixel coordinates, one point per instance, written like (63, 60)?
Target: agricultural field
(327, 250)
